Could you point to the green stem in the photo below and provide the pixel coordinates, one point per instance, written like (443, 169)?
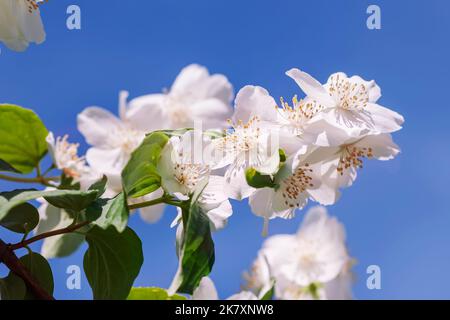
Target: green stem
(148, 203)
(41, 180)
(69, 229)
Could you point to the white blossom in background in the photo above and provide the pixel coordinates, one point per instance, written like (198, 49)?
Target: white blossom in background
(195, 96)
(251, 143)
(315, 257)
(349, 104)
(20, 24)
(207, 291)
(113, 139)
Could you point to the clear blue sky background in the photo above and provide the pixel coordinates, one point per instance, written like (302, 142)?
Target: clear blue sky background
(396, 214)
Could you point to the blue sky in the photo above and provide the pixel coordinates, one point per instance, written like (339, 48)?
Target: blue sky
(396, 214)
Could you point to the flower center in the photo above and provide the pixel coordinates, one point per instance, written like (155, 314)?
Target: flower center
(33, 5)
(188, 174)
(66, 157)
(299, 113)
(294, 185)
(352, 157)
(243, 137)
(349, 95)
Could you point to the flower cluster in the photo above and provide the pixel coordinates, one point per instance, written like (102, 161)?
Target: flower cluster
(324, 139)
(314, 263)
(279, 156)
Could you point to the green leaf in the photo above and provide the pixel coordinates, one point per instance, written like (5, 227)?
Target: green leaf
(22, 136)
(41, 271)
(112, 262)
(115, 213)
(5, 166)
(140, 175)
(257, 180)
(196, 250)
(152, 293)
(174, 133)
(12, 288)
(72, 199)
(67, 183)
(100, 186)
(269, 294)
(66, 199)
(21, 219)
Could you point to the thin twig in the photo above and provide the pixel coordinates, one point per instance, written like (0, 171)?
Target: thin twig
(41, 236)
(41, 180)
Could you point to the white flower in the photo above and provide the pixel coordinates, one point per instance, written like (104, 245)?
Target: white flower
(114, 139)
(342, 163)
(65, 156)
(185, 169)
(296, 182)
(315, 257)
(20, 24)
(252, 143)
(207, 291)
(194, 96)
(349, 104)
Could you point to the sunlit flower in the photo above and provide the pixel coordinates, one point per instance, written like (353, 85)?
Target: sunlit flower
(20, 24)
(342, 163)
(185, 169)
(349, 104)
(296, 182)
(252, 142)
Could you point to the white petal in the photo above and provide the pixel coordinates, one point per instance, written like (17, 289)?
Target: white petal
(147, 113)
(218, 216)
(212, 112)
(383, 148)
(189, 78)
(371, 86)
(51, 144)
(244, 295)
(19, 27)
(206, 290)
(236, 186)
(107, 161)
(384, 120)
(311, 87)
(154, 213)
(96, 125)
(254, 101)
(261, 202)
